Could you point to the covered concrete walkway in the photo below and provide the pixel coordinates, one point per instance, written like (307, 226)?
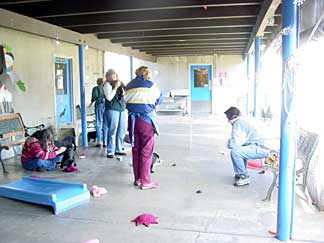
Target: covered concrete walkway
(196, 145)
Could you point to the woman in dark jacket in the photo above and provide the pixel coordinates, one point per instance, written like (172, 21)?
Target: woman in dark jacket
(114, 114)
(99, 99)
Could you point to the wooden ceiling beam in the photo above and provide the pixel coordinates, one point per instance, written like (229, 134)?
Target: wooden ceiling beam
(183, 38)
(190, 47)
(49, 9)
(51, 32)
(156, 16)
(185, 32)
(189, 42)
(195, 50)
(198, 50)
(11, 3)
(169, 25)
(179, 53)
(268, 10)
(191, 54)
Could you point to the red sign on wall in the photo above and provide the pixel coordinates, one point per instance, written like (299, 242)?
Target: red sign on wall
(223, 74)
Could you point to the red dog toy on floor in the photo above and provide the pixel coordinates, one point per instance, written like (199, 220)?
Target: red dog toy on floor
(145, 219)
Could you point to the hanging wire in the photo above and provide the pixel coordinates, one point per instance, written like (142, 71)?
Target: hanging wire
(291, 66)
(315, 28)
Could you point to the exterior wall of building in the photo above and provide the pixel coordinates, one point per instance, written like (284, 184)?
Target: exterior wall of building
(34, 65)
(120, 63)
(94, 70)
(230, 90)
(173, 73)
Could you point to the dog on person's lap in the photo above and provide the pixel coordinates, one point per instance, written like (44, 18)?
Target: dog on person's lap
(68, 156)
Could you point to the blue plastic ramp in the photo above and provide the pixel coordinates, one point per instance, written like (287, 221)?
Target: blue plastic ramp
(60, 195)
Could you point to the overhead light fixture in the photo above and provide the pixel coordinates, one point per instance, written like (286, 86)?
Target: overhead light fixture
(57, 42)
(181, 40)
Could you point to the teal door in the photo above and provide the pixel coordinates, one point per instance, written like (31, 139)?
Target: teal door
(63, 87)
(200, 88)
(200, 81)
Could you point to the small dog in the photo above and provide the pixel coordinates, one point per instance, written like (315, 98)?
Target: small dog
(68, 156)
(92, 135)
(155, 161)
(155, 158)
(127, 139)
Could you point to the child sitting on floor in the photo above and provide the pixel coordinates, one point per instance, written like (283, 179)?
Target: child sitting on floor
(40, 153)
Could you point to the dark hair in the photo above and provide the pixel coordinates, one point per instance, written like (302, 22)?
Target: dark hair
(44, 137)
(120, 90)
(232, 113)
(110, 72)
(99, 81)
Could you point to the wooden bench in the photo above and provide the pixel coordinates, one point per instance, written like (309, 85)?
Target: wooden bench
(306, 146)
(13, 132)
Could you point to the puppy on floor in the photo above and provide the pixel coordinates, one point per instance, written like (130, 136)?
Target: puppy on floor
(92, 135)
(68, 156)
(155, 158)
(155, 161)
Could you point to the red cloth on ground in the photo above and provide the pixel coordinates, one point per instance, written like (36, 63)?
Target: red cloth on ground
(71, 169)
(145, 219)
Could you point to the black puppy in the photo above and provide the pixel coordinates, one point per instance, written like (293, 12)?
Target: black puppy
(68, 156)
(127, 139)
(92, 135)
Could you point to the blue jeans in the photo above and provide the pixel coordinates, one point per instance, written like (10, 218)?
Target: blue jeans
(99, 109)
(42, 164)
(240, 156)
(116, 130)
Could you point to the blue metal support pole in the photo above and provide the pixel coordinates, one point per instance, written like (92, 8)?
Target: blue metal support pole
(131, 67)
(298, 16)
(82, 97)
(288, 125)
(294, 172)
(248, 80)
(257, 56)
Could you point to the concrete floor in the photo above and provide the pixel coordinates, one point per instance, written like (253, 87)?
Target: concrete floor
(221, 213)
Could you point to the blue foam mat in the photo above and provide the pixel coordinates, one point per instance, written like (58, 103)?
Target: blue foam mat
(60, 195)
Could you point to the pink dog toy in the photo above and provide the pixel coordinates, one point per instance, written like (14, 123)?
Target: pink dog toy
(71, 169)
(82, 156)
(92, 241)
(145, 219)
(98, 191)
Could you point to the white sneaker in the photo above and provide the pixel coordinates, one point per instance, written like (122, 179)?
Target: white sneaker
(151, 185)
(242, 181)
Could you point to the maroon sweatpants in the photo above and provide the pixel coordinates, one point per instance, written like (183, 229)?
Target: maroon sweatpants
(143, 149)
